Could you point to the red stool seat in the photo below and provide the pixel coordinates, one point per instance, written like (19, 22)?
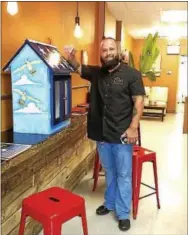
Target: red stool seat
(51, 208)
(140, 155)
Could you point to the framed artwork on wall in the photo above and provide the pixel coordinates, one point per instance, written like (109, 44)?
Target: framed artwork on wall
(173, 49)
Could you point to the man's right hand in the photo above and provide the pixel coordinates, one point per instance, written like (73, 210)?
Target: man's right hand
(70, 52)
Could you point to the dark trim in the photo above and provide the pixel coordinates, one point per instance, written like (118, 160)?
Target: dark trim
(7, 136)
(5, 131)
(69, 98)
(81, 86)
(62, 73)
(6, 73)
(62, 80)
(6, 97)
(105, 6)
(18, 51)
(30, 44)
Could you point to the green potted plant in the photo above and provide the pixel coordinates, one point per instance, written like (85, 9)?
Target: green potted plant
(150, 53)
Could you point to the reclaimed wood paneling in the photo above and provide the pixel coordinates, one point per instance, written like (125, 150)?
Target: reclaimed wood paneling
(61, 160)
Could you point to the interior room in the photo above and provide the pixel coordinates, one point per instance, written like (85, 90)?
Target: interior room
(44, 107)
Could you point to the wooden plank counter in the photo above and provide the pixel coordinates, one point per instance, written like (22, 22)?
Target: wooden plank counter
(61, 160)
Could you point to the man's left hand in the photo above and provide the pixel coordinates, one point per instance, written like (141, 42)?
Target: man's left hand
(132, 135)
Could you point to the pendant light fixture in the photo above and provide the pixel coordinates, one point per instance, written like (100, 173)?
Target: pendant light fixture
(12, 8)
(77, 29)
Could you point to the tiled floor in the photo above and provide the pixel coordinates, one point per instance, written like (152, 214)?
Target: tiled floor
(167, 140)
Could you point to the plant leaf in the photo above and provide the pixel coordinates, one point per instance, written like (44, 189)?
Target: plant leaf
(150, 53)
(151, 76)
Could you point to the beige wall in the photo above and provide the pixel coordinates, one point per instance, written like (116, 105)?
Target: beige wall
(110, 24)
(128, 40)
(110, 31)
(183, 43)
(168, 63)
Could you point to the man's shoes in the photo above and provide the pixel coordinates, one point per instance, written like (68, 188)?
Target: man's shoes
(102, 210)
(124, 224)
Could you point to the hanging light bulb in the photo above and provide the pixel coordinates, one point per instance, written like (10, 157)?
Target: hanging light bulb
(77, 29)
(12, 8)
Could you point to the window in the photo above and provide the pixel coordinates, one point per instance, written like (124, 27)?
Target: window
(57, 99)
(61, 98)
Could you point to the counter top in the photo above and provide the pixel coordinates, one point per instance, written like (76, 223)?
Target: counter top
(43, 142)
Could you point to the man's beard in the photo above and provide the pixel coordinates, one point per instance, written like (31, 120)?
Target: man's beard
(110, 64)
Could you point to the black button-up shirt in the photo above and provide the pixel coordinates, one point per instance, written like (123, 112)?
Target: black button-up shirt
(111, 104)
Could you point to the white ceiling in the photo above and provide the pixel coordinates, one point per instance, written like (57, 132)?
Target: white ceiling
(141, 18)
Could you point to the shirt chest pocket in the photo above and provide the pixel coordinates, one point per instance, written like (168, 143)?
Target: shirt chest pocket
(118, 86)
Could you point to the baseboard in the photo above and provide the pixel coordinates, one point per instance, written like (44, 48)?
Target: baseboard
(171, 111)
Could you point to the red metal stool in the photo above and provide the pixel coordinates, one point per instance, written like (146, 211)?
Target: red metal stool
(51, 208)
(140, 155)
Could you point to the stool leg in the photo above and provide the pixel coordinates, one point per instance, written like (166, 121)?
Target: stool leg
(137, 191)
(22, 223)
(133, 182)
(96, 172)
(156, 183)
(95, 165)
(56, 229)
(51, 228)
(100, 169)
(139, 136)
(84, 222)
(47, 228)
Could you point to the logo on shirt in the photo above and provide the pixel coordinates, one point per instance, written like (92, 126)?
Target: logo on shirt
(117, 80)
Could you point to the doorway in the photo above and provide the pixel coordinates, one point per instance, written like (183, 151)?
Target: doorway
(182, 84)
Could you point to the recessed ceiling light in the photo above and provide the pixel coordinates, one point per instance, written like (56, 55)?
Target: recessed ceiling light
(174, 16)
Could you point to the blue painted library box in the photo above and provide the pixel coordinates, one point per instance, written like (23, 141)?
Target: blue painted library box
(41, 89)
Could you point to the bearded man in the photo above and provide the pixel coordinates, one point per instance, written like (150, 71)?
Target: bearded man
(116, 90)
